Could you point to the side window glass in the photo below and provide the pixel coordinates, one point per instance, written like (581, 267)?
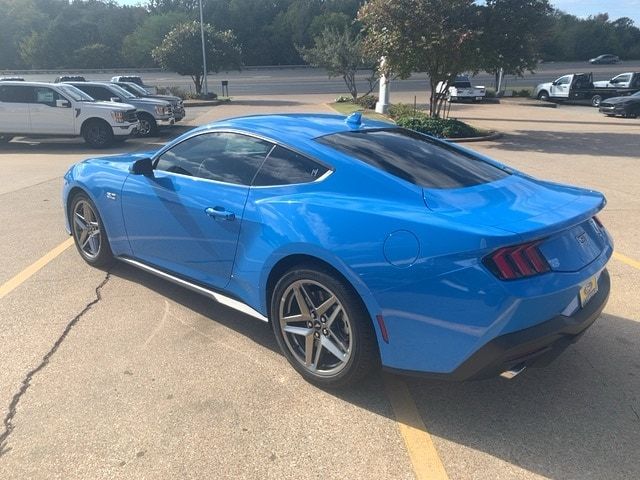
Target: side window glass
(563, 81)
(46, 96)
(224, 157)
(283, 167)
(16, 94)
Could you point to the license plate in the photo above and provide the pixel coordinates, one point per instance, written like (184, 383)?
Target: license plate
(588, 290)
(478, 98)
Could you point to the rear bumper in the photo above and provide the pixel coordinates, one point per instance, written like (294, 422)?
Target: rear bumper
(536, 346)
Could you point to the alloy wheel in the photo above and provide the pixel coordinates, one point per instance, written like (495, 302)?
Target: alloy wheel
(86, 229)
(315, 327)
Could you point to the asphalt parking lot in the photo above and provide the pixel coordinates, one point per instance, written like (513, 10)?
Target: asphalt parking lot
(117, 374)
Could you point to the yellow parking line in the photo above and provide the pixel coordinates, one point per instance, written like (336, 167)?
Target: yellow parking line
(28, 272)
(422, 452)
(624, 259)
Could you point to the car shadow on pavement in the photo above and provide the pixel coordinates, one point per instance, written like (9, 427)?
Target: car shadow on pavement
(577, 418)
(599, 144)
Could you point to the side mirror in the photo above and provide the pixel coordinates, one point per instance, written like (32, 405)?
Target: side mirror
(555, 82)
(143, 166)
(63, 104)
(114, 99)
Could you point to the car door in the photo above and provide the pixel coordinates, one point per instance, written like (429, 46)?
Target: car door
(14, 108)
(560, 88)
(186, 218)
(51, 113)
(621, 81)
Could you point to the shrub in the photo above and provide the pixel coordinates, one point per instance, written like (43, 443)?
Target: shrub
(173, 90)
(524, 92)
(367, 101)
(201, 96)
(344, 99)
(438, 127)
(490, 93)
(399, 110)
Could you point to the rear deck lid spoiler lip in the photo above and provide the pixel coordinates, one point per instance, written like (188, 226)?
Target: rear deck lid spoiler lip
(517, 204)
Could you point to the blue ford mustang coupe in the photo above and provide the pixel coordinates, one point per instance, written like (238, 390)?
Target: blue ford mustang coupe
(362, 243)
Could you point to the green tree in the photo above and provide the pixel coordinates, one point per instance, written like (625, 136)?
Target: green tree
(181, 51)
(341, 53)
(97, 55)
(511, 30)
(438, 37)
(137, 46)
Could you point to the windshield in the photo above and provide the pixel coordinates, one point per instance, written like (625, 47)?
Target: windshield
(414, 157)
(122, 92)
(132, 87)
(75, 93)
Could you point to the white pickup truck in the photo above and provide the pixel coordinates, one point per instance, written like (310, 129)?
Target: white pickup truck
(36, 109)
(461, 89)
(624, 80)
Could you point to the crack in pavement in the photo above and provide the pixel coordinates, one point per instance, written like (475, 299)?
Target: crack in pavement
(26, 382)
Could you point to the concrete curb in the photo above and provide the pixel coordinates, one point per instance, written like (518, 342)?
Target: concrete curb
(533, 103)
(204, 103)
(486, 138)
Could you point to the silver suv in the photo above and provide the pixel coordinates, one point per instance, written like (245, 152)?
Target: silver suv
(152, 113)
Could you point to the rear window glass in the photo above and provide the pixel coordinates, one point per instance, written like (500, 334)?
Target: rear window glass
(414, 157)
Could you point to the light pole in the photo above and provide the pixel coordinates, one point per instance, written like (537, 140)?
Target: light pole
(204, 53)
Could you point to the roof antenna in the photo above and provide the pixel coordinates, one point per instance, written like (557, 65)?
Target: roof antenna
(355, 119)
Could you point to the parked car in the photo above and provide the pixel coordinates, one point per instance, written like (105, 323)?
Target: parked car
(462, 89)
(11, 79)
(624, 80)
(152, 113)
(128, 78)
(628, 106)
(176, 102)
(70, 78)
(45, 109)
(579, 87)
(436, 261)
(604, 59)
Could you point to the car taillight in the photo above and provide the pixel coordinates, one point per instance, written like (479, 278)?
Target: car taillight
(518, 261)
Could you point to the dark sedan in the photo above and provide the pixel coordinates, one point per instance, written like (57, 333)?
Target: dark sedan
(606, 59)
(628, 107)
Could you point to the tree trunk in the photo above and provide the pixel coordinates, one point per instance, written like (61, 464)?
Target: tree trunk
(197, 80)
(350, 82)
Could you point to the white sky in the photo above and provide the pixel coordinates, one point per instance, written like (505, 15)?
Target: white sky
(580, 8)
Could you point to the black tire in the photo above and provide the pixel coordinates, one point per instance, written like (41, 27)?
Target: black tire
(596, 100)
(97, 133)
(5, 139)
(148, 126)
(349, 327)
(543, 95)
(102, 255)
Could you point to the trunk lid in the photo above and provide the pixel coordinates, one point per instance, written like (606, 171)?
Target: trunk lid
(558, 215)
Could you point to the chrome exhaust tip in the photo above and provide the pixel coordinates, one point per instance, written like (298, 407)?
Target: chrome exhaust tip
(513, 372)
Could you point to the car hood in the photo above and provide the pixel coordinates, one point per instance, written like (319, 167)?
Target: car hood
(149, 101)
(618, 100)
(166, 98)
(107, 105)
(601, 83)
(543, 86)
(517, 204)
(121, 161)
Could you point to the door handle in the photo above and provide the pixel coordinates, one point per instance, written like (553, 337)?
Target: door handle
(220, 212)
